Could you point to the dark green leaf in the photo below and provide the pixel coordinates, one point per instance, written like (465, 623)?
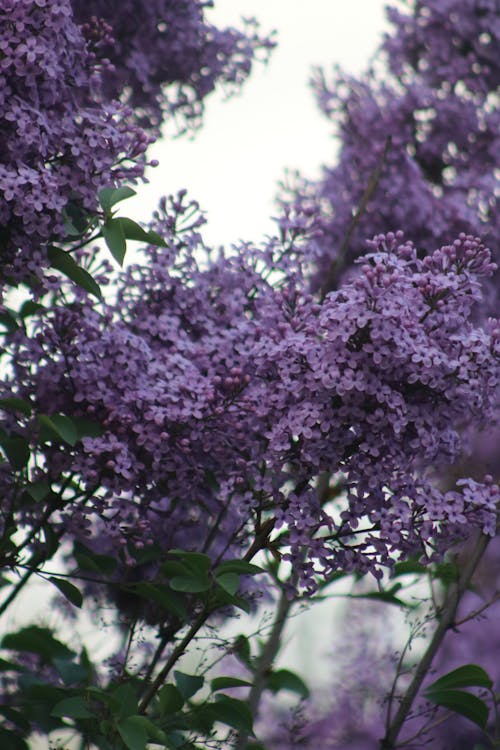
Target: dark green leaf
(133, 733)
(72, 708)
(110, 196)
(284, 679)
(37, 640)
(70, 671)
(126, 700)
(234, 713)
(112, 231)
(230, 582)
(190, 584)
(162, 596)
(469, 675)
(172, 568)
(16, 717)
(59, 426)
(133, 231)
(86, 427)
(465, 704)
(89, 560)
(8, 320)
(170, 699)
(63, 262)
(17, 450)
(241, 649)
(221, 683)
(188, 684)
(38, 490)
(29, 308)
(195, 561)
(16, 405)
(68, 590)
(8, 666)
(238, 566)
(11, 741)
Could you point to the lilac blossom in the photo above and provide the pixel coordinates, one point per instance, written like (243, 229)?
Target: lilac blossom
(166, 57)
(429, 111)
(224, 389)
(76, 113)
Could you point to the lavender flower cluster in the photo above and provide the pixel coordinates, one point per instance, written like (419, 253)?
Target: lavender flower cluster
(223, 396)
(429, 110)
(77, 112)
(166, 57)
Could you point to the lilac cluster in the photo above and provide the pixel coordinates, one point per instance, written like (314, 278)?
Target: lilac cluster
(83, 89)
(433, 126)
(61, 140)
(224, 389)
(166, 57)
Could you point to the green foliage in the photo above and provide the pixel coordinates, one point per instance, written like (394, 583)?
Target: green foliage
(65, 263)
(444, 692)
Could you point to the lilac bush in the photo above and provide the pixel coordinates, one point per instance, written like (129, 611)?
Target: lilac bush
(76, 115)
(206, 429)
(432, 93)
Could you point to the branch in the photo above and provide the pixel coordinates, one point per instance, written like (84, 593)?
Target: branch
(446, 621)
(265, 662)
(335, 265)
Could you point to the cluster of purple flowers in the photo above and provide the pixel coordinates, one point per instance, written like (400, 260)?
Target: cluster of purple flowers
(223, 394)
(166, 57)
(83, 90)
(433, 127)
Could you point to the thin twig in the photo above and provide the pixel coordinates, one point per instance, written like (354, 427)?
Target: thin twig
(337, 262)
(265, 662)
(446, 621)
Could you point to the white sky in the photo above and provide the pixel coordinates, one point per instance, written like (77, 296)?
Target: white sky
(235, 161)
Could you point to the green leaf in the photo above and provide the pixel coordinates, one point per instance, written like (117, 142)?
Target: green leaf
(86, 427)
(17, 450)
(113, 234)
(463, 703)
(68, 590)
(59, 426)
(16, 405)
(110, 196)
(37, 640)
(38, 490)
(241, 649)
(195, 561)
(126, 700)
(133, 733)
(188, 684)
(133, 231)
(233, 712)
(469, 675)
(72, 708)
(230, 582)
(284, 679)
(221, 683)
(62, 261)
(238, 566)
(409, 567)
(162, 596)
(89, 560)
(172, 568)
(190, 584)
(170, 699)
(30, 308)
(8, 320)
(71, 672)
(11, 741)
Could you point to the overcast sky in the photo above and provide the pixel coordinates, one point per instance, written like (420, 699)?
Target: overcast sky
(235, 161)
